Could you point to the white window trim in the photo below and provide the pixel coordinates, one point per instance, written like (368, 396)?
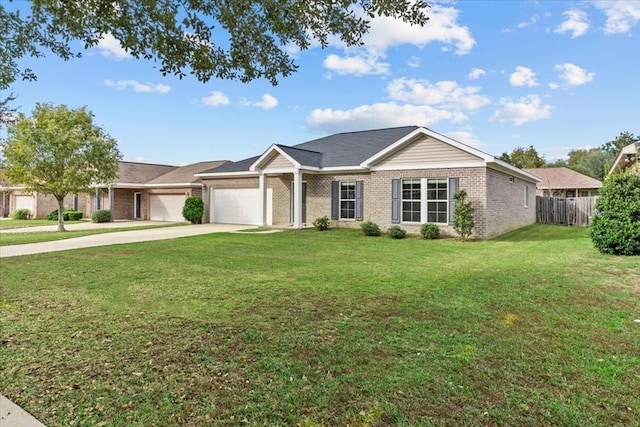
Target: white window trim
(526, 196)
(340, 200)
(424, 200)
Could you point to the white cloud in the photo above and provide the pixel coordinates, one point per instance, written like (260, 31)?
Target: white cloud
(442, 27)
(577, 23)
(621, 15)
(447, 94)
(268, 102)
(215, 98)
(413, 62)
(532, 21)
(379, 115)
(467, 138)
(554, 85)
(357, 65)
(522, 111)
(137, 86)
(523, 76)
(573, 75)
(476, 73)
(110, 47)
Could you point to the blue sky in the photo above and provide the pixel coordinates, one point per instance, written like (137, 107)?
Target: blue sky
(492, 74)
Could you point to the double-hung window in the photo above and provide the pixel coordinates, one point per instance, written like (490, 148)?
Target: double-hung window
(425, 200)
(411, 200)
(347, 200)
(437, 200)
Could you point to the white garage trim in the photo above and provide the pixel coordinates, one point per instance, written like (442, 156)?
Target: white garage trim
(24, 202)
(166, 207)
(239, 206)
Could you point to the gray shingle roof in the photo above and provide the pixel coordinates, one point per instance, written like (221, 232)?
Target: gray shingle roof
(342, 149)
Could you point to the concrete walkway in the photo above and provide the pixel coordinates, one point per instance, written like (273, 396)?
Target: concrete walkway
(118, 238)
(84, 225)
(11, 415)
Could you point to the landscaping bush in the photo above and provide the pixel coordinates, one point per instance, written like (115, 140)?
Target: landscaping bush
(396, 232)
(370, 228)
(73, 215)
(615, 228)
(430, 231)
(322, 224)
(463, 215)
(20, 214)
(53, 215)
(102, 215)
(193, 209)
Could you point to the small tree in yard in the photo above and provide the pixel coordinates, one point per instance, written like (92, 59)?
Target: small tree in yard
(193, 209)
(58, 151)
(463, 215)
(615, 228)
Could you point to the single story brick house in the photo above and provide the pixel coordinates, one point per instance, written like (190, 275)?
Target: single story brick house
(142, 191)
(398, 176)
(627, 159)
(564, 182)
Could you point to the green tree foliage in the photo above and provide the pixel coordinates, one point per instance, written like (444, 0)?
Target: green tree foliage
(615, 228)
(596, 162)
(193, 209)
(524, 158)
(239, 40)
(59, 151)
(463, 222)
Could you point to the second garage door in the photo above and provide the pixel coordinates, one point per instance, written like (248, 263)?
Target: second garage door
(166, 207)
(25, 202)
(239, 206)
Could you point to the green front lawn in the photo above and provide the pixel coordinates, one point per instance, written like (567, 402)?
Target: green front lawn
(8, 239)
(6, 224)
(325, 328)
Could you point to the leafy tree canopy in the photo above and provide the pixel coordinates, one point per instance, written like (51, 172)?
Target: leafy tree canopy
(58, 151)
(524, 158)
(596, 162)
(239, 40)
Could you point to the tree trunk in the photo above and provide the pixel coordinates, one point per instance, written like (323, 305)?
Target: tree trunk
(60, 213)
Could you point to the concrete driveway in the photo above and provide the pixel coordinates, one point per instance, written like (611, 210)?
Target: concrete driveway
(117, 238)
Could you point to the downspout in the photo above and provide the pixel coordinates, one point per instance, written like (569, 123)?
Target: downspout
(111, 201)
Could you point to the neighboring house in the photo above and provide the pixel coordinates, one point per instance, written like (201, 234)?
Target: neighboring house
(405, 176)
(627, 159)
(564, 182)
(141, 191)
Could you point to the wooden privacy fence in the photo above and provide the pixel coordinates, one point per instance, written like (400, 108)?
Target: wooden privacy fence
(576, 211)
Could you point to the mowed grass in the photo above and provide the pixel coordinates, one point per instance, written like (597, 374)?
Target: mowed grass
(9, 238)
(325, 328)
(6, 224)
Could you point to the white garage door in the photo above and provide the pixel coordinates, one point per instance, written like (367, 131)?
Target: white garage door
(166, 207)
(239, 206)
(24, 202)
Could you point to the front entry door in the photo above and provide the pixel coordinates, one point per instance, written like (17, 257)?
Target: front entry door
(304, 202)
(137, 205)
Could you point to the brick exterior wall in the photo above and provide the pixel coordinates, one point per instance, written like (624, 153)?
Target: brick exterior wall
(506, 203)
(499, 204)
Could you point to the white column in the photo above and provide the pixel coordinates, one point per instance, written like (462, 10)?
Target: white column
(263, 198)
(111, 201)
(297, 199)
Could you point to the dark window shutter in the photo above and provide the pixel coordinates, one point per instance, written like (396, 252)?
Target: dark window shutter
(335, 199)
(396, 187)
(454, 187)
(359, 200)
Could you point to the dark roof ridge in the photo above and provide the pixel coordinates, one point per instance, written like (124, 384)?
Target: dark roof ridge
(294, 147)
(148, 164)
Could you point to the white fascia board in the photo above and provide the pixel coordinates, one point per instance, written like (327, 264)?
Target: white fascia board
(505, 167)
(618, 164)
(255, 166)
(425, 132)
(238, 174)
(11, 188)
(478, 164)
(174, 185)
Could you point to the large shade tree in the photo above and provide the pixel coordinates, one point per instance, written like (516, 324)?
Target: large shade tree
(58, 151)
(524, 158)
(240, 39)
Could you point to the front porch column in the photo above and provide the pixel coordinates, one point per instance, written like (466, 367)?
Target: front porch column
(297, 199)
(111, 202)
(262, 182)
